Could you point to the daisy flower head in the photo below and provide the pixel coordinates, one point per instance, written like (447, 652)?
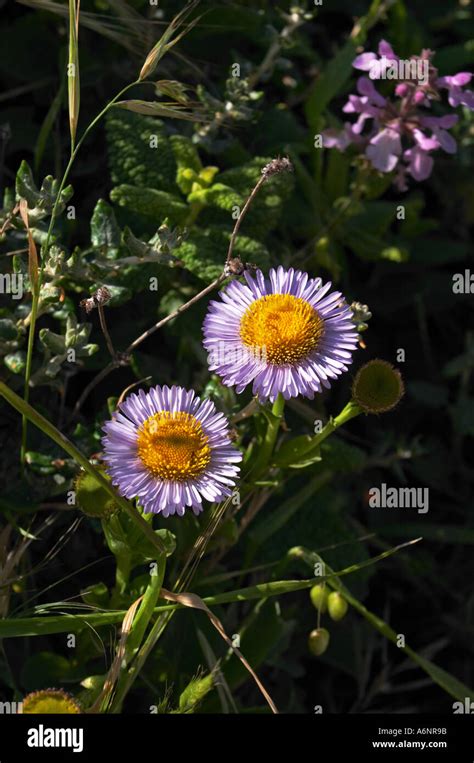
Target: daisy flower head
(170, 449)
(287, 334)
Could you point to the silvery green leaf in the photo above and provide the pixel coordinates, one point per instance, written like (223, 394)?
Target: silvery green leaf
(53, 342)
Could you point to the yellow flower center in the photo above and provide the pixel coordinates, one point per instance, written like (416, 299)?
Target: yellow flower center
(281, 327)
(173, 446)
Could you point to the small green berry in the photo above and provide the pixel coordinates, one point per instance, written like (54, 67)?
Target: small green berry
(319, 597)
(337, 606)
(318, 641)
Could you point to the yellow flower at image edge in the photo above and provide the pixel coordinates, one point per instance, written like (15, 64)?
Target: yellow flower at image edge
(50, 701)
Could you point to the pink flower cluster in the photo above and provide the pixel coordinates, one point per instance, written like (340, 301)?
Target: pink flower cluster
(401, 135)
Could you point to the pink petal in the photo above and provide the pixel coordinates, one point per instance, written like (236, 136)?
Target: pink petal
(365, 61)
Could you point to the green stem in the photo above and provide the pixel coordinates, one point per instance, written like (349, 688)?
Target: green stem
(39, 626)
(44, 248)
(122, 573)
(147, 647)
(349, 412)
(266, 449)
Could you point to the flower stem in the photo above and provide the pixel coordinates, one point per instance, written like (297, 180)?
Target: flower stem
(105, 331)
(268, 444)
(122, 573)
(348, 412)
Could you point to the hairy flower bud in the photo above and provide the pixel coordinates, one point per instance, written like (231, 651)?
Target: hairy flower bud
(377, 387)
(92, 498)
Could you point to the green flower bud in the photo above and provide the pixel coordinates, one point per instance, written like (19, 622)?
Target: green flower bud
(377, 387)
(318, 641)
(92, 498)
(50, 701)
(337, 606)
(319, 597)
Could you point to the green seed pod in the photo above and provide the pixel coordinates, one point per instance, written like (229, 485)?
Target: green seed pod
(318, 641)
(319, 597)
(92, 498)
(50, 701)
(337, 606)
(377, 387)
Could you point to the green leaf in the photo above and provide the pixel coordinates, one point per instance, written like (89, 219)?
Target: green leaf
(204, 251)
(104, 229)
(40, 462)
(25, 185)
(154, 251)
(295, 450)
(96, 595)
(185, 153)
(8, 330)
(150, 202)
(54, 342)
(147, 606)
(16, 362)
(124, 538)
(139, 151)
(40, 202)
(329, 84)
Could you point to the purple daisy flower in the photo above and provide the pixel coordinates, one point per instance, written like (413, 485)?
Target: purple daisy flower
(170, 450)
(285, 334)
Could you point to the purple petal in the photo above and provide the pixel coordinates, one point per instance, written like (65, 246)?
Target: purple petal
(365, 61)
(421, 163)
(385, 50)
(384, 150)
(366, 87)
(426, 143)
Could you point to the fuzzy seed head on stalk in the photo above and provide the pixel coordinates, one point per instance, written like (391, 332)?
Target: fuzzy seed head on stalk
(99, 298)
(92, 499)
(276, 166)
(377, 387)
